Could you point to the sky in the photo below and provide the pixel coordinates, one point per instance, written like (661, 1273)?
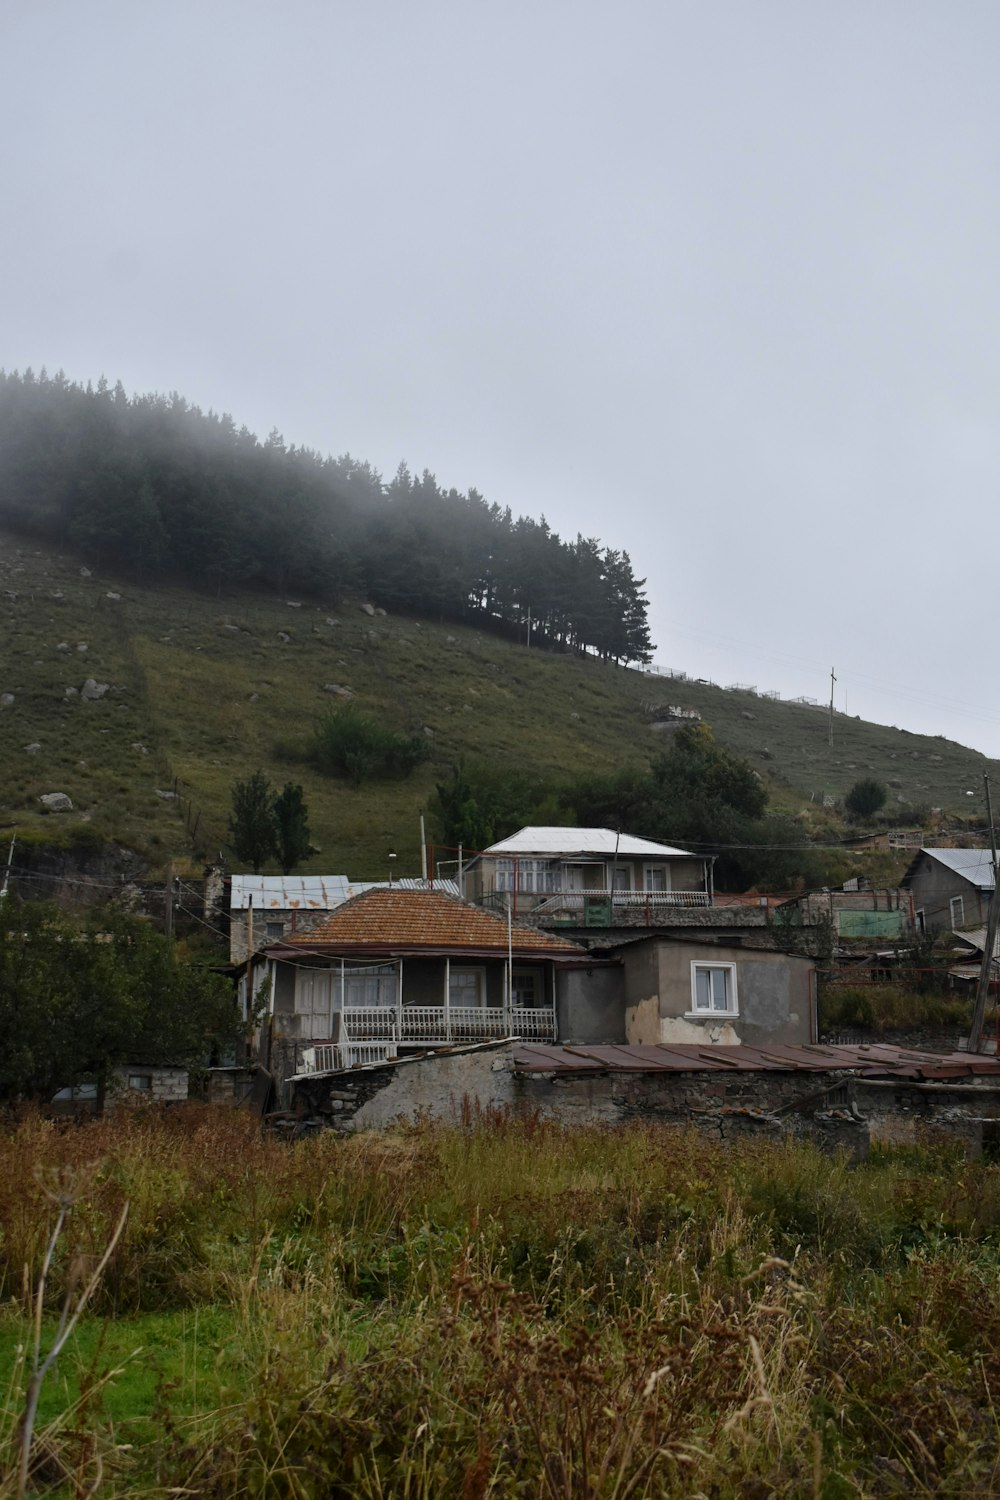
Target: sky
(715, 281)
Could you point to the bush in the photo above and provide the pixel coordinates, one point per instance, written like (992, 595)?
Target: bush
(889, 1007)
(348, 743)
(865, 798)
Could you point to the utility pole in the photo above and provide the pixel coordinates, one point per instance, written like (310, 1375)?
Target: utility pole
(168, 902)
(10, 861)
(992, 923)
(528, 642)
(833, 678)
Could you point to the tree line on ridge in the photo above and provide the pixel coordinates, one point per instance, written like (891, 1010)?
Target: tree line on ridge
(153, 486)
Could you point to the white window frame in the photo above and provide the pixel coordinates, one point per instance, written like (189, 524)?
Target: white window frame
(481, 993)
(960, 903)
(314, 1002)
(648, 871)
(700, 1012)
(367, 986)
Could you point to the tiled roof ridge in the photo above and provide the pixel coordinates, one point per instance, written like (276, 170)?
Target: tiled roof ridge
(385, 897)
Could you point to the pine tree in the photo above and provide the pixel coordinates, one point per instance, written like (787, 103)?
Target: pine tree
(252, 828)
(291, 821)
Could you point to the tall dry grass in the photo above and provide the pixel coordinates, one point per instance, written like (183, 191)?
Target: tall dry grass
(517, 1309)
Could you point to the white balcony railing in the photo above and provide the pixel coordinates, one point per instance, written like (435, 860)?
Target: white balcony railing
(618, 903)
(374, 1033)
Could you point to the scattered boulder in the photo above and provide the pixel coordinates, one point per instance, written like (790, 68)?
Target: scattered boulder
(63, 646)
(167, 796)
(33, 748)
(380, 612)
(83, 648)
(368, 609)
(292, 604)
(141, 748)
(746, 714)
(110, 595)
(574, 715)
(449, 640)
(93, 691)
(373, 638)
(428, 732)
(331, 621)
(337, 689)
(254, 698)
(6, 699)
(72, 692)
(84, 572)
(233, 629)
(284, 636)
(56, 802)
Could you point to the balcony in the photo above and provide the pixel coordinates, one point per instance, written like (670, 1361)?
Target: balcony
(599, 908)
(375, 1033)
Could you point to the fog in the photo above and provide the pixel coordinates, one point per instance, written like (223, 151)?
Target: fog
(713, 282)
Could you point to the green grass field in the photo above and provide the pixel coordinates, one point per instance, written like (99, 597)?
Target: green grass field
(204, 690)
(513, 1309)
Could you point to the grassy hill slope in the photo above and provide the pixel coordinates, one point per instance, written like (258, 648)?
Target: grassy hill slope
(202, 690)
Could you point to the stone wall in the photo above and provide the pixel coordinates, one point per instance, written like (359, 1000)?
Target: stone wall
(834, 1109)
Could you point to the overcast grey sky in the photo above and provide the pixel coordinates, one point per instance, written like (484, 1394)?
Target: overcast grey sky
(716, 282)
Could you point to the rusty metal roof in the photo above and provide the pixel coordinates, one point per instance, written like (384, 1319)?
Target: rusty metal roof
(876, 1061)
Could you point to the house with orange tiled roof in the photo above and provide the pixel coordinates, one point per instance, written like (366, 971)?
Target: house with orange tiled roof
(400, 970)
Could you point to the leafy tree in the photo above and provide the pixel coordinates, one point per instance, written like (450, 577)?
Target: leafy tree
(865, 798)
(76, 1003)
(253, 831)
(291, 824)
(348, 743)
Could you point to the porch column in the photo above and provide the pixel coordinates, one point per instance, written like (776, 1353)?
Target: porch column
(399, 1004)
(447, 999)
(508, 1013)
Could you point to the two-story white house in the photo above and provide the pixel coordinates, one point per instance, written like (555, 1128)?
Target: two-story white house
(586, 877)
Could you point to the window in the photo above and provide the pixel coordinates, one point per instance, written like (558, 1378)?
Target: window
(656, 878)
(375, 985)
(466, 986)
(505, 874)
(527, 987)
(957, 906)
(713, 989)
(273, 930)
(621, 877)
(142, 1082)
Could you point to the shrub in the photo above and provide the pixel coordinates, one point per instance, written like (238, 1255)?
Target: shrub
(348, 743)
(865, 798)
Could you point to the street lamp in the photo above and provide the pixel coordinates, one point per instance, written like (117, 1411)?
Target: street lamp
(391, 858)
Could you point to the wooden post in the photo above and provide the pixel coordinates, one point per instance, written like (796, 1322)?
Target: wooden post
(993, 922)
(447, 999)
(168, 902)
(399, 1004)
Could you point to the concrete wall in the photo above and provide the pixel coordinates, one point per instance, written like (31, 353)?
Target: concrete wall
(774, 995)
(590, 1004)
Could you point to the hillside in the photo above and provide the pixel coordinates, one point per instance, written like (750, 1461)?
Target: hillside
(202, 690)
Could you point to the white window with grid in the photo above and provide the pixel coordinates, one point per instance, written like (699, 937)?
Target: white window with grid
(713, 989)
(466, 986)
(374, 985)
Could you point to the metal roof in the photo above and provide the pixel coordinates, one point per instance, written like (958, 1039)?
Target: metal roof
(314, 892)
(974, 865)
(597, 841)
(871, 1062)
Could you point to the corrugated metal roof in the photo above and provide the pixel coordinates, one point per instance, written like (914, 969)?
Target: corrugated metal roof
(974, 865)
(314, 892)
(598, 841)
(871, 1062)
